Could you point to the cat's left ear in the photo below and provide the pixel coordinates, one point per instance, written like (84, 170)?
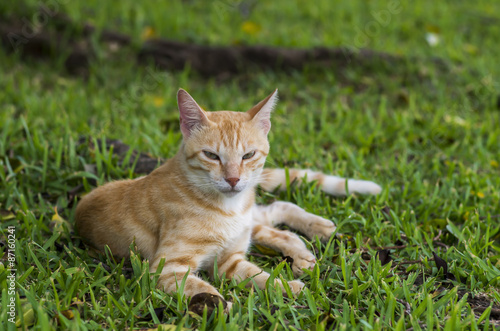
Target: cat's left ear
(261, 112)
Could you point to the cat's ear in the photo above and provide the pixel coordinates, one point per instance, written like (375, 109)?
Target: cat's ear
(261, 112)
(191, 114)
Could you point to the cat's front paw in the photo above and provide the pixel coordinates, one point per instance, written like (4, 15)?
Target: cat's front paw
(305, 260)
(296, 286)
(363, 187)
(320, 227)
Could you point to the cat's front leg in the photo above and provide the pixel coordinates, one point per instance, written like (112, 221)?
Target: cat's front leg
(172, 276)
(281, 212)
(180, 265)
(265, 217)
(287, 243)
(234, 265)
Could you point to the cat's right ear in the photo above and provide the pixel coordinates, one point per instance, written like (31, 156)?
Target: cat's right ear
(191, 114)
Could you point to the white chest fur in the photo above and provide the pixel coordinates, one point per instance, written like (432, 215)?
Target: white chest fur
(235, 232)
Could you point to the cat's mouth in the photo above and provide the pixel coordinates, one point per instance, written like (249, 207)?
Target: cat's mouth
(231, 192)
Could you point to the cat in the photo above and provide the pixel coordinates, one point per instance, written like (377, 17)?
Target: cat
(199, 207)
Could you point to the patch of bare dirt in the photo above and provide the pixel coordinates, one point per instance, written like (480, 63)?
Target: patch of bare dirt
(62, 36)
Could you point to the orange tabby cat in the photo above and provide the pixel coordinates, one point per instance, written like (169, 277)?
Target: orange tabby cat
(199, 206)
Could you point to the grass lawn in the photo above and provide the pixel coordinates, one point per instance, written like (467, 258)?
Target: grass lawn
(428, 133)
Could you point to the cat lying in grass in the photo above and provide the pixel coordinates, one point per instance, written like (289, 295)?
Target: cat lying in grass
(199, 207)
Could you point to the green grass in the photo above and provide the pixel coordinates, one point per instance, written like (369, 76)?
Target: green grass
(429, 136)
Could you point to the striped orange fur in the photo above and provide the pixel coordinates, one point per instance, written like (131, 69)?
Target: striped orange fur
(199, 207)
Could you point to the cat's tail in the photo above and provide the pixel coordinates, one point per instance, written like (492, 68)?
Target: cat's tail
(272, 179)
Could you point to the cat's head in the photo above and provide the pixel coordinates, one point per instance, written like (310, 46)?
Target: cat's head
(225, 151)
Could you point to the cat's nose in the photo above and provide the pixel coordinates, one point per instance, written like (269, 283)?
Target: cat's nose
(232, 181)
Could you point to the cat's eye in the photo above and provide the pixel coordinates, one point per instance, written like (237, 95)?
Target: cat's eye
(248, 155)
(211, 156)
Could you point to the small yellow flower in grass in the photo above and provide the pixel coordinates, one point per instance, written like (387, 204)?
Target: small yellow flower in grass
(68, 314)
(148, 33)
(158, 101)
(494, 163)
(477, 194)
(466, 216)
(57, 223)
(250, 27)
(470, 49)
